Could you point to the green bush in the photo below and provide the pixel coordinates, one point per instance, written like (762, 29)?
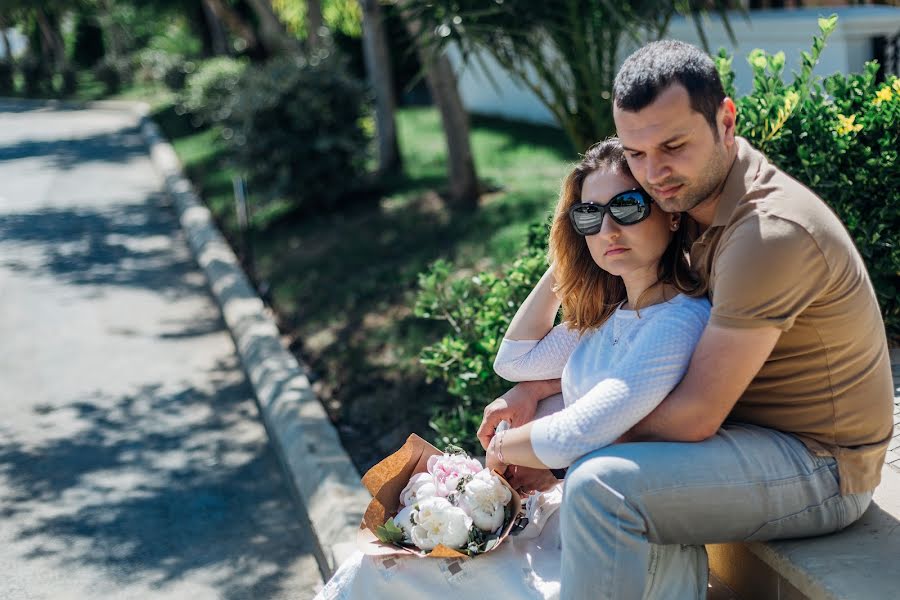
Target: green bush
(839, 136)
(88, 47)
(478, 309)
(113, 73)
(211, 91)
(36, 76)
(298, 130)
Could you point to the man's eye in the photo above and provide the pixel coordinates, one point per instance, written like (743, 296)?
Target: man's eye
(675, 147)
(635, 154)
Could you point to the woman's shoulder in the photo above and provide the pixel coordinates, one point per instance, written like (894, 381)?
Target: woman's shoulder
(695, 303)
(686, 307)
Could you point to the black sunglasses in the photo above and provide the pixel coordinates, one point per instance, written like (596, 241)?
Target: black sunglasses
(627, 208)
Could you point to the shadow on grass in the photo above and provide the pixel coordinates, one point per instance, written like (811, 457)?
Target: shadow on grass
(155, 488)
(518, 134)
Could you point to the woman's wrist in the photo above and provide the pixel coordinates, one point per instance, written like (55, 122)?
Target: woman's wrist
(494, 455)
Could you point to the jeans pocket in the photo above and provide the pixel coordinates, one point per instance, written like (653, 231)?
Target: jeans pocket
(827, 517)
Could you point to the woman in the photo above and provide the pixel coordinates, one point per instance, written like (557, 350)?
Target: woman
(632, 314)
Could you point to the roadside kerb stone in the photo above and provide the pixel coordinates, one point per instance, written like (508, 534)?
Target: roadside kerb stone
(321, 474)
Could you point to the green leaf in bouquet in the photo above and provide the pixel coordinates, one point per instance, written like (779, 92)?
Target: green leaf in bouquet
(389, 533)
(454, 449)
(463, 481)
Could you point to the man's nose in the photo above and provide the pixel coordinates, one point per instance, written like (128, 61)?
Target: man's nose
(657, 172)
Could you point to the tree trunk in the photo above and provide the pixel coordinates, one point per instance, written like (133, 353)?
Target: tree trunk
(444, 93)
(232, 20)
(52, 38)
(314, 24)
(114, 34)
(216, 30)
(272, 33)
(378, 66)
(7, 47)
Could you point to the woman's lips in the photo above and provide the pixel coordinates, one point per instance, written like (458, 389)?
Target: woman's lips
(613, 251)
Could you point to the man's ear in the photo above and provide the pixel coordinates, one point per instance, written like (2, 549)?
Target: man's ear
(727, 120)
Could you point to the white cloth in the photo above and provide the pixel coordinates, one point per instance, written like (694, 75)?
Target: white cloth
(525, 566)
(612, 377)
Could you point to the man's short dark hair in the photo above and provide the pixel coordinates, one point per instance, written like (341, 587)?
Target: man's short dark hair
(656, 66)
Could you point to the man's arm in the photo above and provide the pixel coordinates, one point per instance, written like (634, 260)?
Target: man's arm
(517, 406)
(723, 365)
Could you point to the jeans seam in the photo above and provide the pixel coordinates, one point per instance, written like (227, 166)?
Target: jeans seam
(771, 483)
(618, 541)
(842, 516)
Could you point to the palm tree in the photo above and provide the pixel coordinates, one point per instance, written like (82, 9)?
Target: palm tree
(565, 52)
(275, 38)
(313, 24)
(378, 66)
(441, 81)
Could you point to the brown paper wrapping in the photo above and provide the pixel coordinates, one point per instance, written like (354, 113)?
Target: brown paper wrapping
(387, 479)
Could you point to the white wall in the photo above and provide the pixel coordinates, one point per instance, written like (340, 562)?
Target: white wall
(848, 48)
(18, 42)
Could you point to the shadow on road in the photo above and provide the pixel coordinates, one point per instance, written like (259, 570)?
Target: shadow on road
(153, 485)
(114, 147)
(122, 245)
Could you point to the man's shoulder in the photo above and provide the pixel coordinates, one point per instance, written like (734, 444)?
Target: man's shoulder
(776, 196)
(779, 210)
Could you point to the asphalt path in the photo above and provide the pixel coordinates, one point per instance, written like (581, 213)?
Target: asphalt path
(133, 463)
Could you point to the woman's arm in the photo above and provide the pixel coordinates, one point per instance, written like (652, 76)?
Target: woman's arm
(533, 349)
(656, 361)
(536, 315)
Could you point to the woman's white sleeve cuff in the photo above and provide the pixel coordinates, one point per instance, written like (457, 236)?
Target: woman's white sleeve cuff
(546, 450)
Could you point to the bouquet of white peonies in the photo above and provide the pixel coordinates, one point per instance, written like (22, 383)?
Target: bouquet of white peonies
(450, 505)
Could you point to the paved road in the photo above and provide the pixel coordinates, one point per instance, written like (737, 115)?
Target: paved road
(133, 463)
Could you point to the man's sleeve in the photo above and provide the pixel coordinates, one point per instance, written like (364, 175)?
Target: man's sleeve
(767, 271)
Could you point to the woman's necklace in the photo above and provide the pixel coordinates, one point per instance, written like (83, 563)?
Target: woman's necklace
(619, 333)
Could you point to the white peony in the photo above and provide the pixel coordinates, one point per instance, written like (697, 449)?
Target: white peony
(484, 499)
(436, 521)
(448, 469)
(420, 486)
(403, 520)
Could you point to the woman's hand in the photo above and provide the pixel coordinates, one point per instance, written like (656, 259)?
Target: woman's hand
(527, 480)
(517, 406)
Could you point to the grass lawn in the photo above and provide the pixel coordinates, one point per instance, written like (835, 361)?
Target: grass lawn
(343, 285)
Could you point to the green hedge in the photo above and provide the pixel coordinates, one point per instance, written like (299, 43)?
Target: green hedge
(300, 130)
(210, 92)
(839, 136)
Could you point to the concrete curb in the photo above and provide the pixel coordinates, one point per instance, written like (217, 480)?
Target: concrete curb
(319, 471)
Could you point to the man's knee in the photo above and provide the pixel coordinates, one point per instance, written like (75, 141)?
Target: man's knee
(604, 477)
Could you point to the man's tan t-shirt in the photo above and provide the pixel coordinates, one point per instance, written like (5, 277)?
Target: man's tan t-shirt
(777, 256)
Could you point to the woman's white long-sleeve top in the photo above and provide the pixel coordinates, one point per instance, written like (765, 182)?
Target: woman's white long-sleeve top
(612, 377)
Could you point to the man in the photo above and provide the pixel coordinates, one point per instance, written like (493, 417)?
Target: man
(781, 423)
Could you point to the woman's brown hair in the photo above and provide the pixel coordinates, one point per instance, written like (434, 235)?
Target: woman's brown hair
(589, 294)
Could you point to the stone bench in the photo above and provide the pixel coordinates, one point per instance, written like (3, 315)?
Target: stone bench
(861, 562)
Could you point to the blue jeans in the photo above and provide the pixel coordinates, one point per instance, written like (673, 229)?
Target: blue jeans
(635, 516)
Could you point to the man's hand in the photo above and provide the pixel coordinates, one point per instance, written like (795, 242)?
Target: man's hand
(517, 406)
(527, 480)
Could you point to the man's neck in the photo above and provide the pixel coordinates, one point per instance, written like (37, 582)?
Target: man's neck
(705, 212)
